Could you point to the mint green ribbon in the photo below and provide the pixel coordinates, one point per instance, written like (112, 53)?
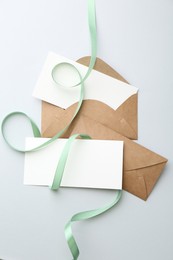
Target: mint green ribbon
(64, 155)
(84, 216)
(93, 39)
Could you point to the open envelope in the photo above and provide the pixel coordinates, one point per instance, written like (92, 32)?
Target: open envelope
(142, 167)
(123, 119)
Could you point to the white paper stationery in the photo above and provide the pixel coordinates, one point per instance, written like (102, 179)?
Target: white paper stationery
(98, 86)
(90, 164)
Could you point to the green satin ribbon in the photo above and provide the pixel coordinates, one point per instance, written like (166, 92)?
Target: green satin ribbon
(84, 216)
(64, 155)
(93, 39)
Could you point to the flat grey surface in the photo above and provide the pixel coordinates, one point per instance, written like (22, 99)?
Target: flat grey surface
(136, 38)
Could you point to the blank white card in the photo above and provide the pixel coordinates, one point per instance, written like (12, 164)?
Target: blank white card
(90, 164)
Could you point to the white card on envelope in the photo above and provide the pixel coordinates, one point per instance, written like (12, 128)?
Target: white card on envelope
(98, 86)
(90, 164)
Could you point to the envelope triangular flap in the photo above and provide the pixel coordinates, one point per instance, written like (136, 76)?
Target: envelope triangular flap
(139, 156)
(141, 182)
(103, 67)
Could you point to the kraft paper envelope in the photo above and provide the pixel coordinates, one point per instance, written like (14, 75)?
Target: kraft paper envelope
(108, 100)
(90, 163)
(142, 167)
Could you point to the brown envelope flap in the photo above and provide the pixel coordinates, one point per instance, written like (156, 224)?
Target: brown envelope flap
(123, 120)
(139, 156)
(141, 182)
(103, 67)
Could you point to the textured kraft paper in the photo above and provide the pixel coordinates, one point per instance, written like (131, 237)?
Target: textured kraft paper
(141, 167)
(122, 120)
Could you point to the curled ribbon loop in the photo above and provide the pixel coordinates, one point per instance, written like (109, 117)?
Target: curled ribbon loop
(57, 69)
(35, 128)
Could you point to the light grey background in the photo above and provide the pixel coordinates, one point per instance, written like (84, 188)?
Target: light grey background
(136, 38)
